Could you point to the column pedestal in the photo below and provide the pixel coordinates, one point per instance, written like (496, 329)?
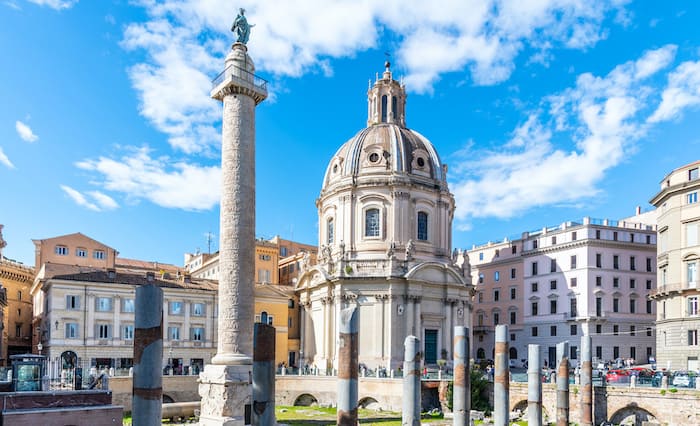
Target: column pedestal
(226, 392)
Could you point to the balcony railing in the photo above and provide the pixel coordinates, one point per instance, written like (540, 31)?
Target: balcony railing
(242, 76)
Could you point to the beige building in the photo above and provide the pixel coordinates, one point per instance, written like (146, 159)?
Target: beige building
(87, 309)
(677, 295)
(385, 225)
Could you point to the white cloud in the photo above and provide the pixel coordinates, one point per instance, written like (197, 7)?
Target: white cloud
(163, 181)
(5, 160)
(79, 198)
(602, 116)
(25, 132)
(682, 91)
(184, 41)
(103, 200)
(55, 4)
(100, 202)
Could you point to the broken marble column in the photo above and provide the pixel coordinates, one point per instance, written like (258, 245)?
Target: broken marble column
(586, 381)
(501, 384)
(147, 387)
(461, 393)
(410, 415)
(263, 375)
(347, 367)
(534, 385)
(563, 384)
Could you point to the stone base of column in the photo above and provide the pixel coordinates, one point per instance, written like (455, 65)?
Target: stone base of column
(226, 392)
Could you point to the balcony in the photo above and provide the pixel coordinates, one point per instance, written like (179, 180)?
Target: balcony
(672, 289)
(482, 329)
(241, 78)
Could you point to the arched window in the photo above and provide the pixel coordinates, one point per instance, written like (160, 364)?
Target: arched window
(394, 111)
(513, 353)
(372, 223)
(263, 317)
(330, 231)
(384, 105)
(422, 226)
(480, 353)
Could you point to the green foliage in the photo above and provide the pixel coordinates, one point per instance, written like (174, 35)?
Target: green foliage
(479, 385)
(673, 390)
(662, 391)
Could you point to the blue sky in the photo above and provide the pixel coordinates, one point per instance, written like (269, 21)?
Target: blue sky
(545, 111)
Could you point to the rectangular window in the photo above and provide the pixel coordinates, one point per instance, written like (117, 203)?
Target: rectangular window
(533, 331)
(264, 257)
(98, 254)
(597, 234)
(692, 274)
(553, 265)
(372, 223)
(573, 352)
(422, 231)
(534, 244)
(693, 306)
(264, 275)
(72, 302)
(553, 285)
(573, 307)
(648, 306)
(693, 174)
(598, 260)
(512, 293)
(514, 249)
(481, 277)
(104, 331)
(616, 330)
(648, 264)
(174, 333)
(598, 306)
(648, 239)
(81, 252)
(614, 235)
(616, 282)
(616, 262)
(18, 330)
(631, 237)
(598, 328)
(197, 334)
(128, 305)
(534, 268)
(573, 329)
(513, 318)
(599, 352)
(496, 294)
(573, 236)
(481, 297)
(633, 330)
(496, 276)
(648, 331)
(283, 251)
(103, 304)
(128, 332)
(554, 240)
(553, 330)
(648, 284)
(692, 198)
(496, 318)
(552, 306)
(574, 282)
(692, 338)
(616, 304)
(533, 287)
(633, 283)
(198, 309)
(633, 263)
(633, 306)
(598, 281)
(71, 330)
(691, 234)
(633, 352)
(512, 273)
(176, 308)
(61, 250)
(534, 309)
(573, 262)
(497, 253)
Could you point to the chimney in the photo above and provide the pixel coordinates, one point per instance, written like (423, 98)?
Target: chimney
(150, 276)
(638, 211)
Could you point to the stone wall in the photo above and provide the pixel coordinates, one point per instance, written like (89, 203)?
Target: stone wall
(178, 388)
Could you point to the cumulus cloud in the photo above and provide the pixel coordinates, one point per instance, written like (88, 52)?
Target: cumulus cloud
(164, 181)
(602, 116)
(184, 41)
(683, 91)
(25, 132)
(55, 4)
(5, 160)
(93, 200)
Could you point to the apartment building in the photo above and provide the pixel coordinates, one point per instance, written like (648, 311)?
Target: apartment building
(677, 295)
(84, 306)
(589, 277)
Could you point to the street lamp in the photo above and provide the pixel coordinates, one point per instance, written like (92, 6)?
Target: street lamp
(39, 347)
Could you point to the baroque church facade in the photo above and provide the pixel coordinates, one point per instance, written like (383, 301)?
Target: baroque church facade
(385, 223)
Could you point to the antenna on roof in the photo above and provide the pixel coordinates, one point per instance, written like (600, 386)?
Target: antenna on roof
(210, 237)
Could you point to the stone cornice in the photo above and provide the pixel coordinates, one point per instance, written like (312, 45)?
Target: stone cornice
(592, 243)
(233, 89)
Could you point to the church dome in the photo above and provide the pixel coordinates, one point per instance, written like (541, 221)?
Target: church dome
(386, 147)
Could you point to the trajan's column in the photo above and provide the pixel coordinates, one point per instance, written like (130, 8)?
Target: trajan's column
(225, 385)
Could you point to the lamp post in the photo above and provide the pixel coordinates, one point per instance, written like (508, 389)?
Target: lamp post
(39, 347)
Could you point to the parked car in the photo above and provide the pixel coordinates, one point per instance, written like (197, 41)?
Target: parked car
(617, 376)
(682, 379)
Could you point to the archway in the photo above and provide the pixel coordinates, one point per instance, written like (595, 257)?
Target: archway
(513, 353)
(368, 402)
(632, 415)
(305, 400)
(480, 353)
(167, 399)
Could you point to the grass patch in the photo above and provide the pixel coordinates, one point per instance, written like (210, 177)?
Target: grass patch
(295, 416)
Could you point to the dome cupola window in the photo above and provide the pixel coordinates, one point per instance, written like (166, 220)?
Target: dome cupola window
(372, 222)
(330, 231)
(422, 225)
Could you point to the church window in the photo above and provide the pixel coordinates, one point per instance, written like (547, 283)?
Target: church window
(394, 109)
(422, 226)
(374, 157)
(330, 231)
(421, 162)
(384, 105)
(372, 223)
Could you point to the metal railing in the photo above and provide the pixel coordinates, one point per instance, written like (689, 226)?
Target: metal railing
(234, 73)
